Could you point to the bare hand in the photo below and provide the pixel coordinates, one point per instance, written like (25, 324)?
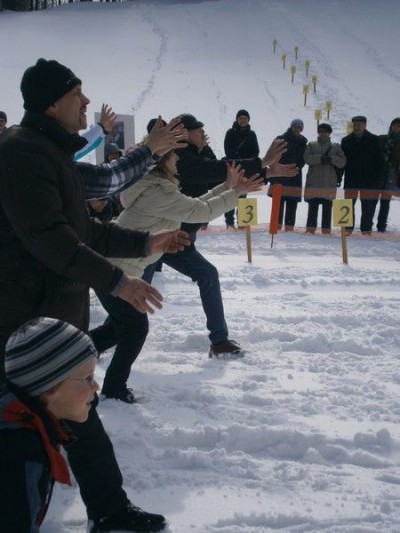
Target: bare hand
(252, 184)
(278, 170)
(170, 241)
(141, 295)
(233, 173)
(274, 152)
(163, 139)
(108, 119)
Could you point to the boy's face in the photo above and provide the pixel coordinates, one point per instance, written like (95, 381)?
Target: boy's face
(71, 399)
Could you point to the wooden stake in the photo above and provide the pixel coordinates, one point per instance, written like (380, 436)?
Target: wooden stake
(344, 245)
(248, 243)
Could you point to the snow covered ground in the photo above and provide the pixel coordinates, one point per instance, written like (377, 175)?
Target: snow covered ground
(302, 434)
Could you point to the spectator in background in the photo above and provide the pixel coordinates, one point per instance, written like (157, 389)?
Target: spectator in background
(364, 171)
(49, 368)
(391, 155)
(3, 122)
(240, 143)
(296, 145)
(322, 156)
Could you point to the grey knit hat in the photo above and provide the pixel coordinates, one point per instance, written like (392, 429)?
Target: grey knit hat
(297, 122)
(43, 352)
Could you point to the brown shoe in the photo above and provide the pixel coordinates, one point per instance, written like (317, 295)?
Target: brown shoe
(326, 231)
(289, 228)
(310, 230)
(225, 347)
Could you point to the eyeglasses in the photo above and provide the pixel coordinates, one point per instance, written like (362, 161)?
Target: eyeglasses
(89, 380)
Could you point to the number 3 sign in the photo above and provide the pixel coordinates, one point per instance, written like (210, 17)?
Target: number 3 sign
(247, 211)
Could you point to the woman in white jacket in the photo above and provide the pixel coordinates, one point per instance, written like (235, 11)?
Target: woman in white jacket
(152, 204)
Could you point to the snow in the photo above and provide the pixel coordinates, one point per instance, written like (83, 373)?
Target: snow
(302, 434)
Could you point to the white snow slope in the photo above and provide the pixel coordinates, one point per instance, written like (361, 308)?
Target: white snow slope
(302, 434)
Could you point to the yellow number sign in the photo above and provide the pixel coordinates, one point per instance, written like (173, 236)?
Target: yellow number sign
(247, 211)
(342, 213)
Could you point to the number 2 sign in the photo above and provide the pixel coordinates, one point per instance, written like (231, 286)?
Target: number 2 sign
(342, 213)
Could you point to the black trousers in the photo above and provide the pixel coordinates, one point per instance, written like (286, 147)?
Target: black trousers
(93, 463)
(126, 329)
(288, 207)
(313, 208)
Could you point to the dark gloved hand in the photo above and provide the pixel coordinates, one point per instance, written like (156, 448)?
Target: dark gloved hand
(325, 159)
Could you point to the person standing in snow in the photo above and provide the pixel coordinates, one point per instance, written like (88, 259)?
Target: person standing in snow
(391, 154)
(52, 252)
(322, 156)
(197, 169)
(296, 145)
(364, 171)
(240, 143)
(153, 204)
(49, 367)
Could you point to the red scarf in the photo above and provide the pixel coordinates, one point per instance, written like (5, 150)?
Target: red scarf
(19, 413)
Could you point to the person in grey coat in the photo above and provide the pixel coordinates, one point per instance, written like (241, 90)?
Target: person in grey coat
(323, 158)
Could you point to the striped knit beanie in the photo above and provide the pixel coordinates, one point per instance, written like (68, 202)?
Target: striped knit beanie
(43, 352)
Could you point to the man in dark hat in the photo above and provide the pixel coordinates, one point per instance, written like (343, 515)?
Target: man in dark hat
(240, 143)
(364, 171)
(292, 192)
(197, 168)
(52, 251)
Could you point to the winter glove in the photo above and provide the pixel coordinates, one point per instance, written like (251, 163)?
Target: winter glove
(325, 159)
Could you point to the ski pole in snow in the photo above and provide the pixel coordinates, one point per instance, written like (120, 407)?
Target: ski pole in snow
(276, 203)
(307, 64)
(296, 52)
(293, 71)
(328, 107)
(283, 59)
(314, 80)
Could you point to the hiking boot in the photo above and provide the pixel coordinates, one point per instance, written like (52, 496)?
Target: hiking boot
(311, 230)
(124, 395)
(225, 347)
(129, 519)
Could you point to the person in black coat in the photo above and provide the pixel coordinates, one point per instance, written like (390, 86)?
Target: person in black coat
(296, 146)
(364, 171)
(240, 143)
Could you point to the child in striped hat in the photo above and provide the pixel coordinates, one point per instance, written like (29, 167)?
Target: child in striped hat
(49, 367)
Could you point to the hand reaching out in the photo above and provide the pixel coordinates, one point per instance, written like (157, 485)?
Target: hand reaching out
(274, 152)
(252, 184)
(163, 139)
(108, 119)
(170, 241)
(233, 173)
(141, 295)
(278, 170)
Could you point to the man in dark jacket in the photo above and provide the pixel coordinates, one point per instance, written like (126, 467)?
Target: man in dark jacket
(296, 146)
(51, 252)
(240, 143)
(364, 171)
(197, 168)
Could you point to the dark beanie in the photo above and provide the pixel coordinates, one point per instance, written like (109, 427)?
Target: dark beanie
(3, 115)
(325, 127)
(45, 83)
(43, 352)
(359, 118)
(151, 123)
(395, 121)
(242, 113)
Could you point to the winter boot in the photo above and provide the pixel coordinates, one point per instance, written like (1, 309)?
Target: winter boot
(131, 519)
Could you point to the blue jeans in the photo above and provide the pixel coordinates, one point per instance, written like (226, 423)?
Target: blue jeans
(192, 264)
(127, 329)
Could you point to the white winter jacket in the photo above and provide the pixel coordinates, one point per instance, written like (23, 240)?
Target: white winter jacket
(155, 203)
